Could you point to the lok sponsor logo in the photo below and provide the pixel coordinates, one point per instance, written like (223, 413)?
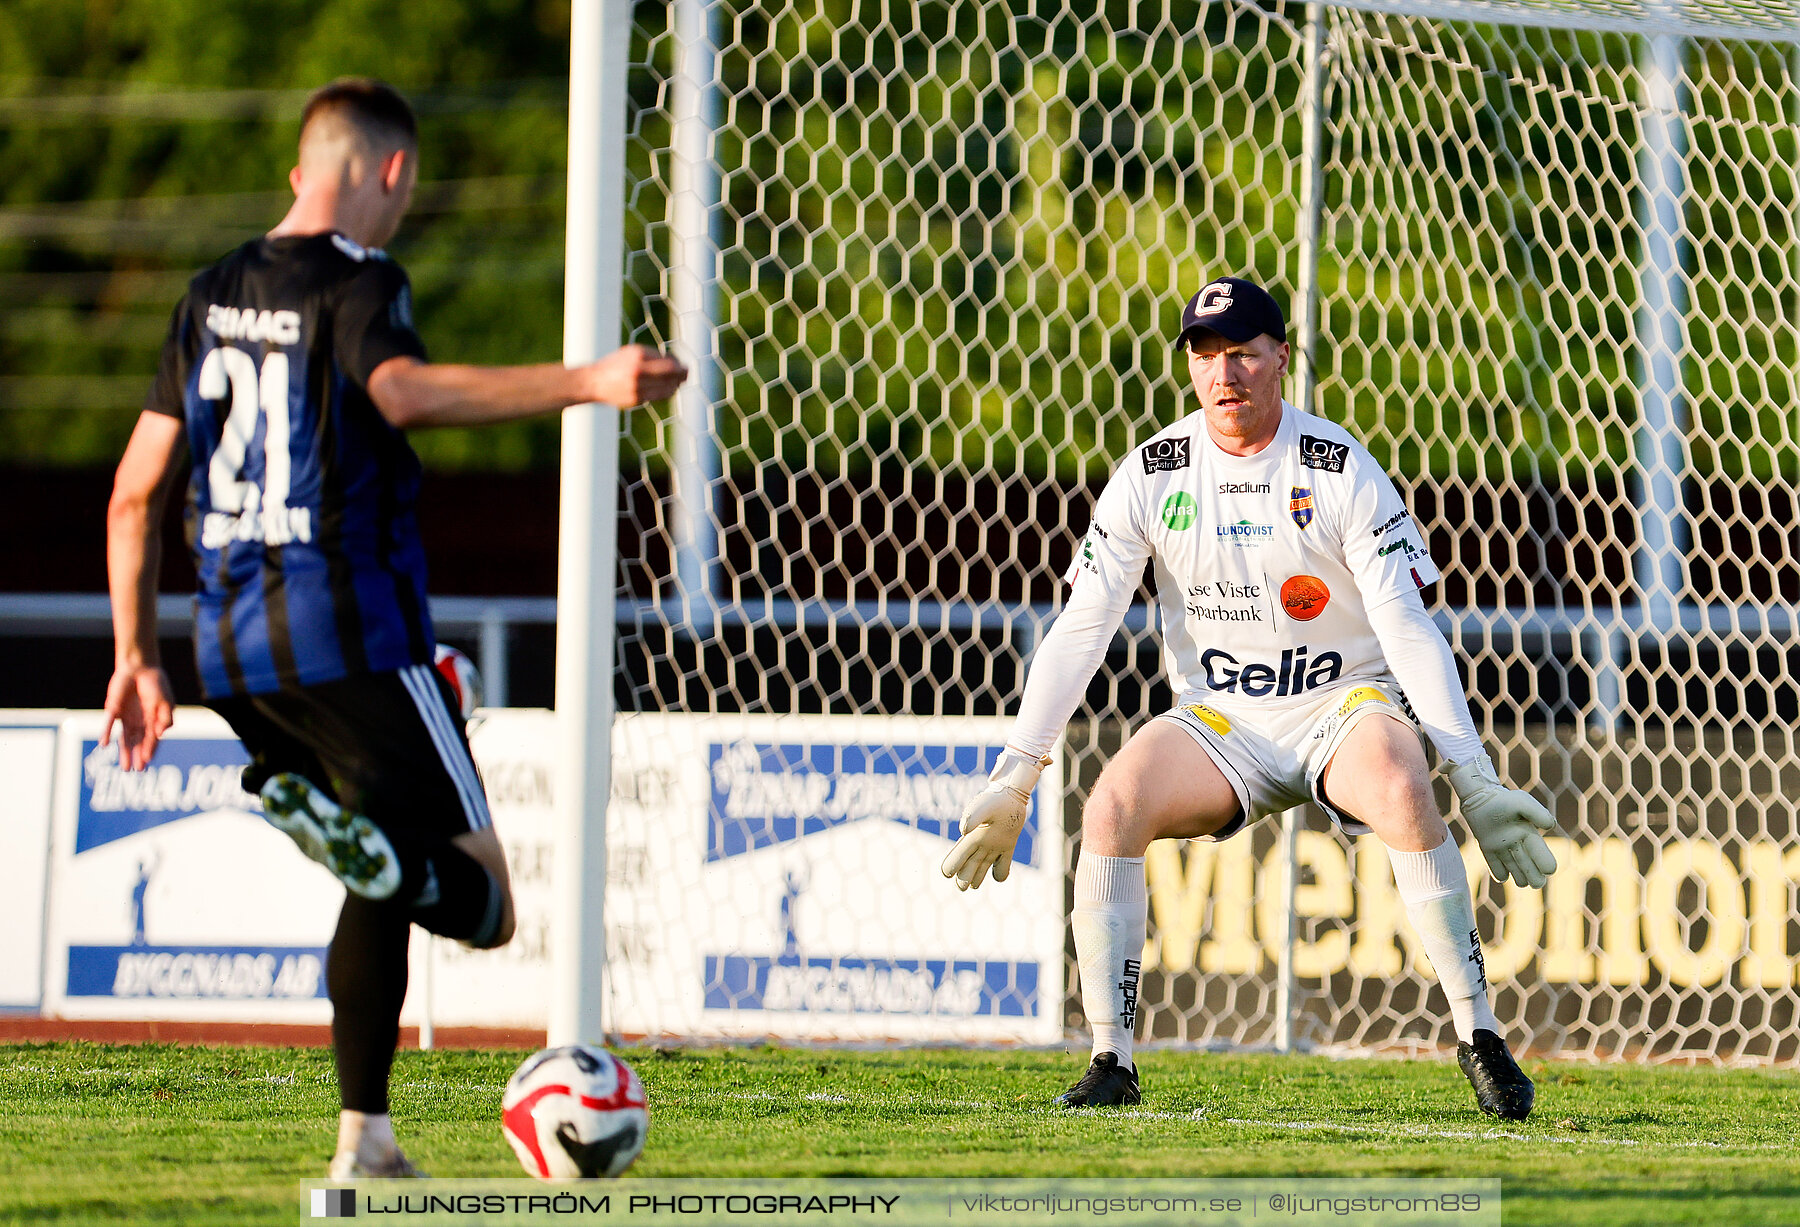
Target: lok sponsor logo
(1316, 453)
(1166, 455)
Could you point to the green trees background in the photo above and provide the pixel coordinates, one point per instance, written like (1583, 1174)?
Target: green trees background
(951, 234)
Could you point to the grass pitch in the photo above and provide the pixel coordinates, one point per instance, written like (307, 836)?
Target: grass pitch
(178, 1134)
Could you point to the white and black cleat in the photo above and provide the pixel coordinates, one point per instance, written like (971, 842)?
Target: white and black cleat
(1106, 1084)
(352, 847)
(1501, 1087)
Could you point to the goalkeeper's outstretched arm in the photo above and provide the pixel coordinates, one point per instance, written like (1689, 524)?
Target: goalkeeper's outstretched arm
(1054, 682)
(1507, 823)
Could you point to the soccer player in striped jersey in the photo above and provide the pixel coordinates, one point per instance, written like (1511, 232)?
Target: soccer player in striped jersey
(290, 373)
(1306, 668)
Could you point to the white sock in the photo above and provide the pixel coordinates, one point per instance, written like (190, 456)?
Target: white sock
(367, 1135)
(1435, 888)
(1110, 920)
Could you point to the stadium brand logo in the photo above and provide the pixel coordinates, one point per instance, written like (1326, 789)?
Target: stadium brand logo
(1245, 534)
(249, 324)
(1300, 505)
(1179, 510)
(1128, 995)
(1475, 957)
(1295, 674)
(1166, 455)
(1323, 454)
(1243, 487)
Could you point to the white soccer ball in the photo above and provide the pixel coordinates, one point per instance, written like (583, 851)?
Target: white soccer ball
(575, 1112)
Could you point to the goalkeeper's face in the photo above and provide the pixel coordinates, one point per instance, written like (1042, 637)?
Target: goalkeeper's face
(1239, 385)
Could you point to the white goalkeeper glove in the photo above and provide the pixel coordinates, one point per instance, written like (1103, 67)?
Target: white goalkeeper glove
(991, 822)
(1506, 822)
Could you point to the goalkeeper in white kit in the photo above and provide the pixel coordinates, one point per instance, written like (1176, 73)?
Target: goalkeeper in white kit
(1306, 668)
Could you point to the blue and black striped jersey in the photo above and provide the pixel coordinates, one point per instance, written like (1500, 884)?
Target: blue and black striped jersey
(302, 505)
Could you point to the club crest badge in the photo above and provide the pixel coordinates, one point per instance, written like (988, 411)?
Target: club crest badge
(1300, 505)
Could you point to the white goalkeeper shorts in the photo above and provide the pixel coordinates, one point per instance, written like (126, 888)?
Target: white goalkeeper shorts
(1275, 761)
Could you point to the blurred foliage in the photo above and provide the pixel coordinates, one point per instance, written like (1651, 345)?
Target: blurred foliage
(950, 234)
(144, 138)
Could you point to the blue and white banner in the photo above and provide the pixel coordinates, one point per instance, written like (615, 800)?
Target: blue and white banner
(780, 877)
(776, 876)
(766, 876)
(171, 898)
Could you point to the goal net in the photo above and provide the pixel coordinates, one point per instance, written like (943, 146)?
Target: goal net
(926, 258)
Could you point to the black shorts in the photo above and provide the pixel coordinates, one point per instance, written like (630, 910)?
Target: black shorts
(389, 745)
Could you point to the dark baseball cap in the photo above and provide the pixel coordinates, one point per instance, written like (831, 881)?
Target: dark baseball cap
(1235, 309)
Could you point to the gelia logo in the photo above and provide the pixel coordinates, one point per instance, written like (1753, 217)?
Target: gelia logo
(1293, 674)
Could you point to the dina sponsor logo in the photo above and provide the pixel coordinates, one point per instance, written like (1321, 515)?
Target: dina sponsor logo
(1179, 511)
(764, 795)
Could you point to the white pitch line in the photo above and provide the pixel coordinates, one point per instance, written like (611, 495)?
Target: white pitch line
(1485, 1134)
(1199, 1117)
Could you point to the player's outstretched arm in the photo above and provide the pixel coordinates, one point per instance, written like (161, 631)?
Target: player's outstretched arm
(410, 393)
(137, 697)
(1507, 823)
(1060, 671)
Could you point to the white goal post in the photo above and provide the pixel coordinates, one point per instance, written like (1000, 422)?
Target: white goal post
(1541, 256)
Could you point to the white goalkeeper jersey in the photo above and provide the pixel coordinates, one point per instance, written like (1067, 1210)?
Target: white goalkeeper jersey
(1266, 565)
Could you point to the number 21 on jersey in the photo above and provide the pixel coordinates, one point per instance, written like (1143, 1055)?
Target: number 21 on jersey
(240, 511)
